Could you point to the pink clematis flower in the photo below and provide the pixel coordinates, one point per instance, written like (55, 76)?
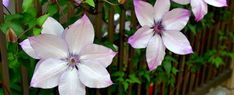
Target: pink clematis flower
(160, 29)
(200, 8)
(69, 59)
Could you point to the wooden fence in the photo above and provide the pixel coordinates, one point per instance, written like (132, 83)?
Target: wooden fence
(187, 81)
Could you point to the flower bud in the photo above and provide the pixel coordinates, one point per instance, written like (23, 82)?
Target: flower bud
(11, 36)
(121, 1)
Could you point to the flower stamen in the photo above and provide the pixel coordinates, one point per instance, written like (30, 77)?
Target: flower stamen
(158, 27)
(73, 60)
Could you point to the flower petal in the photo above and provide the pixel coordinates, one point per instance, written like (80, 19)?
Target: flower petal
(176, 42)
(199, 8)
(94, 75)
(141, 38)
(70, 84)
(51, 26)
(97, 53)
(47, 73)
(6, 3)
(161, 7)
(79, 34)
(183, 2)
(155, 52)
(144, 12)
(49, 46)
(176, 19)
(217, 3)
(26, 46)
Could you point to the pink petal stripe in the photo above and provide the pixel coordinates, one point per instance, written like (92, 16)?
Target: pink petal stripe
(97, 53)
(49, 46)
(144, 12)
(94, 75)
(176, 19)
(53, 27)
(176, 42)
(79, 34)
(26, 46)
(47, 73)
(141, 38)
(199, 8)
(155, 52)
(183, 2)
(161, 7)
(217, 3)
(70, 84)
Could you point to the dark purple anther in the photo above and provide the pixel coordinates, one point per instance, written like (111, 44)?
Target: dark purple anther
(158, 27)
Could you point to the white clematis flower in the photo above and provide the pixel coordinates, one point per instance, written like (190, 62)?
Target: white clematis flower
(68, 58)
(160, 30)
(200, 7)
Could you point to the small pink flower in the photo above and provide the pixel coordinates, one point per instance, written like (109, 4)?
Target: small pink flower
(200, 8)
(69, 59)
(160, 29)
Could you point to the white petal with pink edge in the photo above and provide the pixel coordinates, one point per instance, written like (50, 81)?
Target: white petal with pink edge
(26, 46)
(176, 42)
(144, 12)
(48, 73)
(53, 27)
(141, 38)
(155, 52)
(176, 19)
(182, 1)
(49, 46)
(69, 83)
(97, 53)
(217, 3)
(79, 34)
(161, 7)
(199, 8)
(94, 75)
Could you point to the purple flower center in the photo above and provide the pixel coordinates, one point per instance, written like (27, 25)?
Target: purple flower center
(73, 60)
(158, 27)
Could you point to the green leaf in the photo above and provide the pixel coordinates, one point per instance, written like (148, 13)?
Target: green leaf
(118, 74)
(174, 70)
(125, 84)
(42, 19)
(90, 2)
(167, 66)
(17, 28)
(27, 4)
(52, 9)
(133, 79)
(36, 31)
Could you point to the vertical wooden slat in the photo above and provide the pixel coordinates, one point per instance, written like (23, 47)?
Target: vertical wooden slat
(38, 7)
(201, 52)
(209, 46)
(18, 5)
(98, 19)
(185, 82)
(193, 74)
(111, 28)
(4, 63)
(24, 80)
(180, 75)
(122, 30)
(186, 69)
